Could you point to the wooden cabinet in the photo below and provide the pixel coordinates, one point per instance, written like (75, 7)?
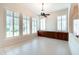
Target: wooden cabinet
(56, 35)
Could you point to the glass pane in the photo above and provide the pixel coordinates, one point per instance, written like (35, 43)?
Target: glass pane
(26, 25)
(59, 23)
(33, 30)
(9, 26)
(59, 17)
(16, 26)
(16, 15)
(38, 25)
(64, 23)
(34, 25)
(42, 24)
(9, 13)
(76, 27)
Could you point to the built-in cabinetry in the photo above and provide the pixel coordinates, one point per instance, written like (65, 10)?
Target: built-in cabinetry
(53, 34)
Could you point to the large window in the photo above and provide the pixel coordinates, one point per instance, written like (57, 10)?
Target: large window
(16, 24)
(26, 25)
(42, 24)
(9, 23)
(76, 26)
(62, 23)
(34, 25)
(12, 24)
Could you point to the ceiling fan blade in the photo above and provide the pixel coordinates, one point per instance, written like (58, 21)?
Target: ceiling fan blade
(47, 14)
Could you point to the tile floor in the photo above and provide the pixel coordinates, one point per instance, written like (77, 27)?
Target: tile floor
(38, 46)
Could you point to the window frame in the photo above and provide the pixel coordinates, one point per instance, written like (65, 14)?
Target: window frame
(16, 16)
(77, 20)
(27, 20)
(42, 24)
(34, 28)
(12, 23)
(62, 23)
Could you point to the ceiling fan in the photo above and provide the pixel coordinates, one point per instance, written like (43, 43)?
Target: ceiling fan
(42, 12)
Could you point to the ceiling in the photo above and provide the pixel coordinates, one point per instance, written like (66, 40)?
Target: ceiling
(48, 7)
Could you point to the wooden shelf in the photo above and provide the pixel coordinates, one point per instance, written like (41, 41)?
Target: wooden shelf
(56, 35)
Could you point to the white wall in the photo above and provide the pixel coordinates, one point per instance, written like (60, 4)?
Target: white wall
(51, 21)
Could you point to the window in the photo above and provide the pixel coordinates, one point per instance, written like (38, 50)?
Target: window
(62, 23)
(9, 23)
(76, 26)
(16, 24)
(12, 24)
(42, 24)
(59, 23)
(34, 25)
(26, 25)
